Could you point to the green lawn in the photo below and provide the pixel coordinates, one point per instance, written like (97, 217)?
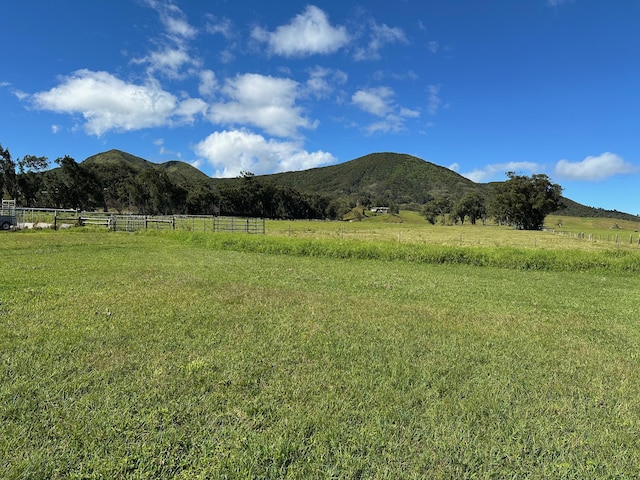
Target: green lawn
(181, 355)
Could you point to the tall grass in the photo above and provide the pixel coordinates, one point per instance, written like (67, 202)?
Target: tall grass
(617, 260)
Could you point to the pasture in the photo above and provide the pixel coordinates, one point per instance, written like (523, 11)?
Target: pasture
(314, 352)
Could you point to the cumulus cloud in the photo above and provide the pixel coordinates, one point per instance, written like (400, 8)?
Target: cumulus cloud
(230, 152)
(262, 101)
(108, 103)
(594, 167)
(497, 171)
(376, 101)
(308, 33)
(379, 101)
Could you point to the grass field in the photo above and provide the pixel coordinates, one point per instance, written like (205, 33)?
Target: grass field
(575, 233)
(194, 355)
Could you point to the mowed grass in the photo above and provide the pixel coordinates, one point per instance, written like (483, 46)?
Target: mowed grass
(184, 355)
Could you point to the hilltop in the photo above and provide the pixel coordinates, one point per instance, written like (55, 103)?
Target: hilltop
(387, 176)
(177, 170)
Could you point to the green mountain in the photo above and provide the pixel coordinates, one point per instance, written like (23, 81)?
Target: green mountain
(379, 178)
(400, 178)
(179, 172)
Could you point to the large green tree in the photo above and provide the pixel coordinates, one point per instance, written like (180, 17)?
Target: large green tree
(438, 206)
(472, 205)
(30, 182)
(74, 186)
(8, 177)
(524, 202)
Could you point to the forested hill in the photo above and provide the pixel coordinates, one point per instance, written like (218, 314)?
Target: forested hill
(114, 159)
(380, 177)
(119, 180)
(403, 179)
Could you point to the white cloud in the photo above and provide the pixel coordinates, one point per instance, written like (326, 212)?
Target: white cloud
(191, 108)
(376, 101)
(208, 83)
(262, 101)
(172, 52)
(168, 61)
(433, 46)
(408, 113)
(108, 103)
(497, 171)
(391, 123)
(308, 33)
(379, 101)
(231, 152)
(379, 36)
(20, 95)
(173, 19)
(594, 168)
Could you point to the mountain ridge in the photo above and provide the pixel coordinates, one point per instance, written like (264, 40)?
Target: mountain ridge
(378, 178)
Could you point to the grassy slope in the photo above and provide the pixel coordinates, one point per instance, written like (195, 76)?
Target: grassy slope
(125, 356)
(400, 177)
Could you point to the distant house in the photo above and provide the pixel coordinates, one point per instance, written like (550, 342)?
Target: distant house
(379, 209)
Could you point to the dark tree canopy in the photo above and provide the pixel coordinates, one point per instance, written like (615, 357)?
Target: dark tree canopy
(438, 206)
(8, 178)
(524, 202)
(472, 205)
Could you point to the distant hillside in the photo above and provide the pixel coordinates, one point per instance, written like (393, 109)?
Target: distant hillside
(379, 177)
(575, 209)
(400, 178)
(180, 172)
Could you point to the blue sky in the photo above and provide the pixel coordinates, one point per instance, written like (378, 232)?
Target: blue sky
(479, 86)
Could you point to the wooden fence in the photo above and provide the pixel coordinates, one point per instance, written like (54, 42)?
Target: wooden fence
(132, 223)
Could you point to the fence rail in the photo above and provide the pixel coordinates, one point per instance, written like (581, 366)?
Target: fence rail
(132, 223)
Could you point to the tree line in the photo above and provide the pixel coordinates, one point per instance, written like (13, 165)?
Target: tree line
(150, 191)
(520, 201)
